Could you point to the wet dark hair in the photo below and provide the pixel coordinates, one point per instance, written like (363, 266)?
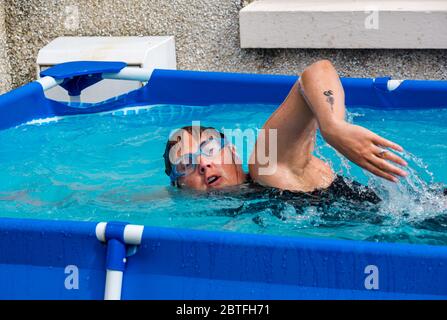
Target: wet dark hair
(170, 144)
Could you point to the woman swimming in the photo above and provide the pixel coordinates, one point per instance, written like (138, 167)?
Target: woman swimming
(200, 158)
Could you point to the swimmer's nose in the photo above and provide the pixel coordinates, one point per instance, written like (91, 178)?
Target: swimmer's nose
(204, 164)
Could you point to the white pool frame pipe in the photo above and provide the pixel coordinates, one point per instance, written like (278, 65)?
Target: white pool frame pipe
(114, 279)
(393, 84)
(127, 73)
(143, 75)
(130, 73)
(114, 284)
(48, 82)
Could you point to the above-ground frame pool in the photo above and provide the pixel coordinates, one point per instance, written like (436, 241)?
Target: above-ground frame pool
(56, 259)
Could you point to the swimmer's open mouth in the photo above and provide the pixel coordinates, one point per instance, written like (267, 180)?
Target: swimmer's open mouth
(212, 180)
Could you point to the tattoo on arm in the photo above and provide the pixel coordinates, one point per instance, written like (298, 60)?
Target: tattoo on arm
(329, 94)
(330, 98)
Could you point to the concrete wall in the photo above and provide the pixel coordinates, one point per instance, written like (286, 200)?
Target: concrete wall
(4, 63)
(206, 33)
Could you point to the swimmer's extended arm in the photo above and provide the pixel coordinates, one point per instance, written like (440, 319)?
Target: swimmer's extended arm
(321, 88)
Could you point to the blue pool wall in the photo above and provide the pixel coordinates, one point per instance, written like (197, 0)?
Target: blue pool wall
(209, 88)
(191, 264)
(187, 264)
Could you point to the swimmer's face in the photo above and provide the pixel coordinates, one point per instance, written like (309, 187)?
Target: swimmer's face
(216, 172)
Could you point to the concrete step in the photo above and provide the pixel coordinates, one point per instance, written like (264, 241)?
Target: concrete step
(408, 24)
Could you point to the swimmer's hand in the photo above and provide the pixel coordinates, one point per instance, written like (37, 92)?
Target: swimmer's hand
(366, 149)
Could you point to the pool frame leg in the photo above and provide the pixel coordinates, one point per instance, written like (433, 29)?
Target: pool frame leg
(117, 235)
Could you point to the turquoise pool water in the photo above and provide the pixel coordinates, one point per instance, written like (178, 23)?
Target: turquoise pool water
(109, 167)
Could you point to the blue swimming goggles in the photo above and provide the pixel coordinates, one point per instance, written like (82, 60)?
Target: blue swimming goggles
(187, 163)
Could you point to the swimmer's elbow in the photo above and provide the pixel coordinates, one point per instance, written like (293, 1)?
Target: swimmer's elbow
(317, 67)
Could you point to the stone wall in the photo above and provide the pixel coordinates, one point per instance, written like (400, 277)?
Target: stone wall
(5, 80)
(206, 34)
